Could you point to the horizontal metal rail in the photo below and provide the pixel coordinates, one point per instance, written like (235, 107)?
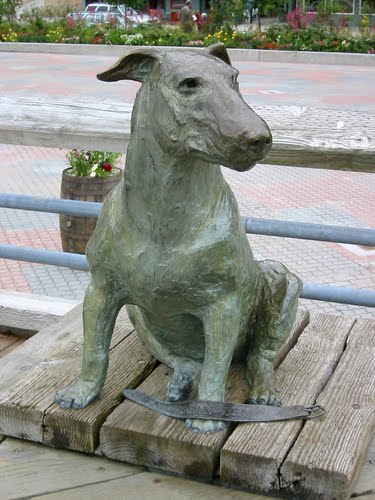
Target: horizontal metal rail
(51, 205)
(314, 291)
(49, 257)
(342, 295)
(309, 231)
(267, 227)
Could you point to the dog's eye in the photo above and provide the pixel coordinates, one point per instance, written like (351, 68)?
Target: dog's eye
(189, 84)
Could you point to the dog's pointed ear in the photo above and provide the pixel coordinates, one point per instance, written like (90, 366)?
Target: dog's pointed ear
(135, 65)
(219, 50)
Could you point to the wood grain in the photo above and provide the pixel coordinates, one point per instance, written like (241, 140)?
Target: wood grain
(137, 435)
(51, 359)
(303, 136)
(28, 469)
(60, 123)
(300, 323)
(325, 461)
(152, 485)
(32, 471)
(366, 480)
(254, 453)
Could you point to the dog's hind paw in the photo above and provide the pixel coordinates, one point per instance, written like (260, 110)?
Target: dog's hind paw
(264, 399)
(205, 426)
(179, 387)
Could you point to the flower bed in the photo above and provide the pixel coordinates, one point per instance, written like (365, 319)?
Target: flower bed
(302, 33)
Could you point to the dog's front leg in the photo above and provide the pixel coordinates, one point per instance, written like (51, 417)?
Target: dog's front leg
(100, 310)
(221, 325)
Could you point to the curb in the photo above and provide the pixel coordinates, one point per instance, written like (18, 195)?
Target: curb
(256, 55)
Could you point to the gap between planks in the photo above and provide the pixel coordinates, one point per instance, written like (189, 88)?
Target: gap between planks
(9, 342)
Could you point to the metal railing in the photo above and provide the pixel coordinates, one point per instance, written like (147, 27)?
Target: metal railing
(286, 229)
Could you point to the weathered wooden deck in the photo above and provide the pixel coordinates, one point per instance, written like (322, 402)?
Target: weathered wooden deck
(327, 359)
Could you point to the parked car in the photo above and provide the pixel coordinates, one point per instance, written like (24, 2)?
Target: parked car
(106, 11)
(90, 18)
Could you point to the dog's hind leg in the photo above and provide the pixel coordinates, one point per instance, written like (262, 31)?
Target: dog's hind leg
(100, 310)
(275, 314)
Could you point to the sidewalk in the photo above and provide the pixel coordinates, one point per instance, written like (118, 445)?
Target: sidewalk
(300, 194)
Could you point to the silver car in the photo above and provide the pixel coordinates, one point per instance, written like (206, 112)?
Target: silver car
(103, 12)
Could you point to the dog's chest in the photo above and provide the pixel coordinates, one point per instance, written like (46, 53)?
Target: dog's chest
(182, 274)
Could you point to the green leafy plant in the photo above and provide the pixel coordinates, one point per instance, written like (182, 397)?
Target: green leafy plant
(92, 163)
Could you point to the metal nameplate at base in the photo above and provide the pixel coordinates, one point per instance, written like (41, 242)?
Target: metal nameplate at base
(230, 412)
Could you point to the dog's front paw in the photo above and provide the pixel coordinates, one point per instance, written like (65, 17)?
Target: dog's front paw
(77, 395)
(205, 426)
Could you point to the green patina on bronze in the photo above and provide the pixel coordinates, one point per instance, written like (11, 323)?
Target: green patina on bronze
(169, 243)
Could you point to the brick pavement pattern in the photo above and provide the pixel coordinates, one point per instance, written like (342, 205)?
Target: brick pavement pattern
(287, 193)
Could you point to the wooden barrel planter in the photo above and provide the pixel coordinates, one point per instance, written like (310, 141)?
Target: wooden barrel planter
(76, 231)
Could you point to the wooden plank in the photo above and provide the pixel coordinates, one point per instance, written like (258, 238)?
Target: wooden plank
(67, 475)
(33, 352)
(28, 469)
(302, 136)
(320, 137)
(136, 435)
(26, 314)
(61, 123)
(254, 453)
(51, 359)
(325, 460)
(130, 363)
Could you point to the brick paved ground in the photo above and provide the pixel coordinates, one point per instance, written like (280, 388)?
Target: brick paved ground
(310, 195)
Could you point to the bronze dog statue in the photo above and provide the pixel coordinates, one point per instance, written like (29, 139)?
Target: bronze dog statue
(169, 242)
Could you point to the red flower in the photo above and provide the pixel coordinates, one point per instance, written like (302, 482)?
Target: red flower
(107, 166)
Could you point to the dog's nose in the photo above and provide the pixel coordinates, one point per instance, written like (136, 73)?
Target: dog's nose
(258, 141)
